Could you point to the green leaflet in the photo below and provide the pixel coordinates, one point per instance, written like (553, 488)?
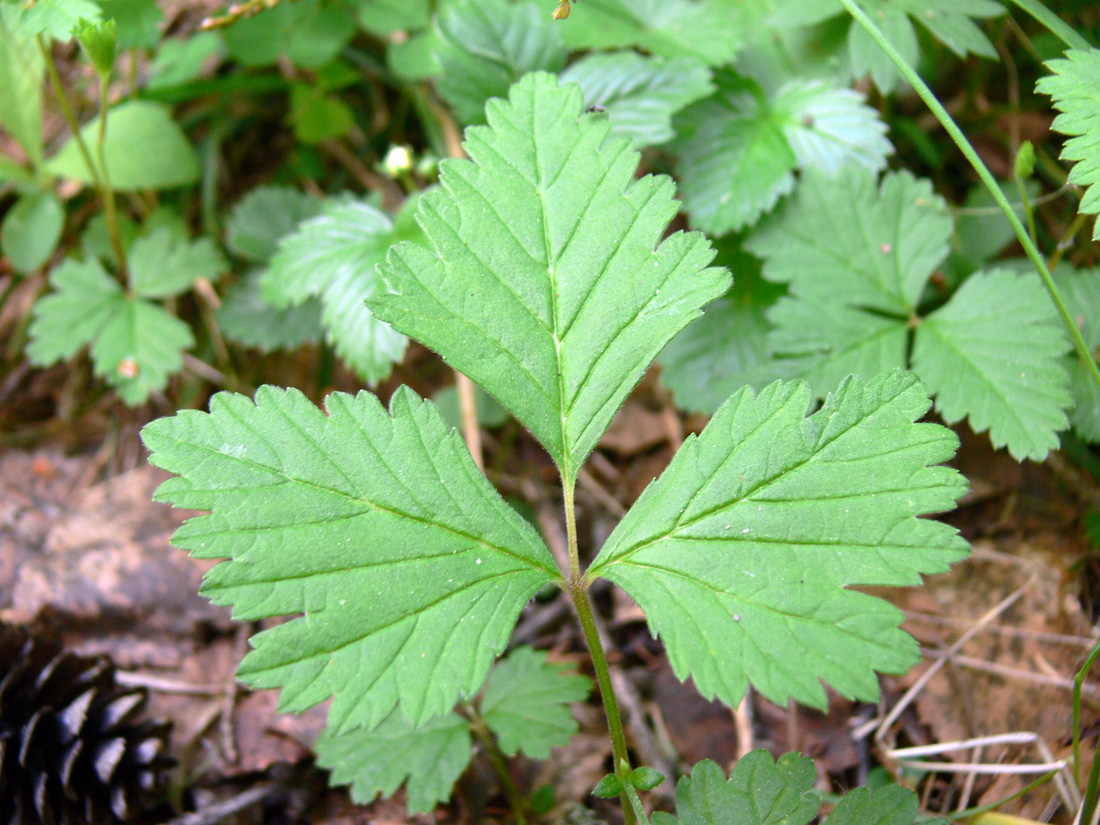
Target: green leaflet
(762, 792)
(408, 566)
(640, 93)
(428, 759)
(951, 22)
(847, 239)
(487, 45)
(22, 70)
(135, 344)
(740, 552)
(145, 149)
(30, 230)
(309, 32)
(55, 19)
(248, 319)
(264, 216)
(1073, 87)
(858, 259)
(704, 29)
(759, 791)
(547, 281)
(1081, 290)
(526, 703)
(726, 349)
(739, 148)
(335, 257)
(162, 265)
(994, 354)
(734, 160)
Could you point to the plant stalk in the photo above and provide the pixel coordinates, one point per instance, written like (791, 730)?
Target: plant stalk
(106, 193)
(987, 178)
(97, 173)
(607, 694)
(579, 593)
(496, 758)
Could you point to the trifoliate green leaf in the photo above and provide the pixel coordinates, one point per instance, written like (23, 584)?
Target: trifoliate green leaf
(264, 216)
(993, 354)
(547, 281)
(427, 760)
(22, 70)
(844, 239)
(145, 149)
(735, 161)
(889, 805)
(741, 551)
(526, 703)
(640, 93)
(1081, 292)
(762, 792)
(487, 45)
(704, 29)
(724, 350)
(409, 568)
(828, 127)
(31, 229)
(162, 265)
(759, 791)
(135, 345)
(248, 319)
(335, 257)
(1073, 87)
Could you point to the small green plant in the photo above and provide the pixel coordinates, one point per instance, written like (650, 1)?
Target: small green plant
(544, 278)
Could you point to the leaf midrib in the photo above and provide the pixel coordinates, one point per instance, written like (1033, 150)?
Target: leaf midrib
(554, 574)
(624, 555)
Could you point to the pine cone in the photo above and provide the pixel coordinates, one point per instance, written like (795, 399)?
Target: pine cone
(71, 751)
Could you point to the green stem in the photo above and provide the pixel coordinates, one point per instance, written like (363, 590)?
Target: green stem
(632, 794)
(98, 179)
(106, 193)
(580, 596)
(987, 178)
(1078, 683)
(492, 750)
(568, 486)
(66, 109)
(578, 590)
